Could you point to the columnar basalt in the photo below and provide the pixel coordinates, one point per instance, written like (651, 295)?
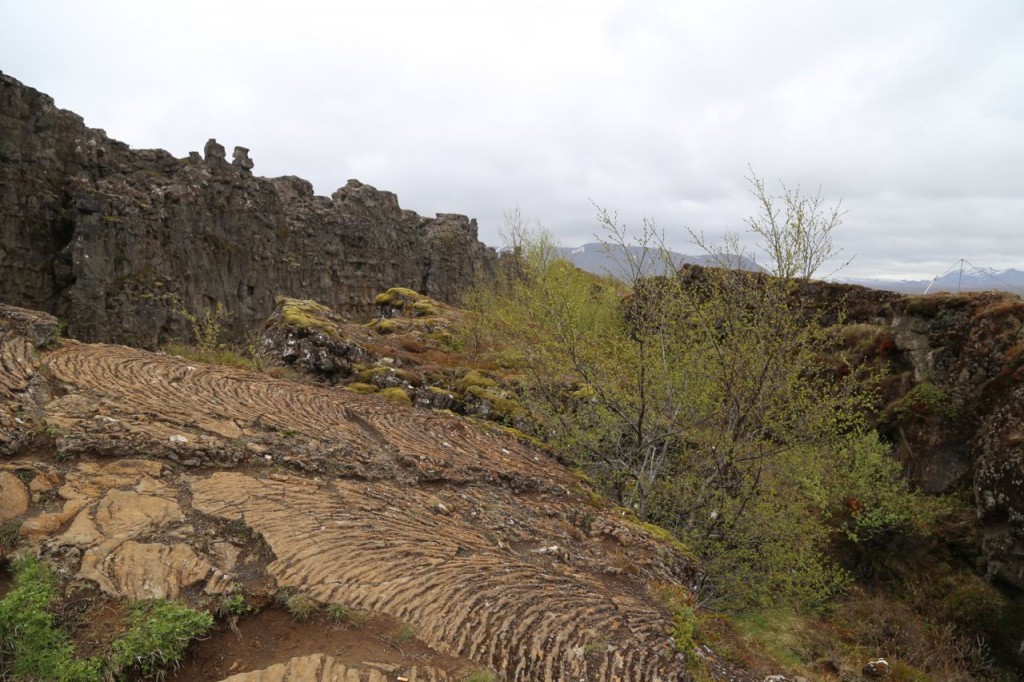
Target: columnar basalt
(119, 242)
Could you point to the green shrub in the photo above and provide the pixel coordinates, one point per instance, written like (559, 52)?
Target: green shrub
(344, 615)
(339, 613)
(158, 633)
(32, 647)
(923, 402)
(219, 355)
(301, 606)
(231, 605)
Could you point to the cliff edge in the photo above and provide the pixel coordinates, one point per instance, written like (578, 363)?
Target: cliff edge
(118, 242)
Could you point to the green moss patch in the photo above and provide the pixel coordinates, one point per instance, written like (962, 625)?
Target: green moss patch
(385, 326)
(306, 314)
(397, 395)
(359, 387)
(398, 297)
(474, 378)
(425, 308)
(503, 407)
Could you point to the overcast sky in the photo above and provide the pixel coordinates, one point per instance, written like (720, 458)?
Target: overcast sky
(911, 112)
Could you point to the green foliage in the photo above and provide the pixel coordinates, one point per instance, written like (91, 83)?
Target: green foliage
(339, 613)
(795, 229)
(34, 647)
(684, 622)
(870, 495)
(31, 644)
(343, 615)
(300, 606)
(158, 633)
(208, 328)
(923, 402)
(231, 605)
(692, 398)
(210, 344)
(406, 633)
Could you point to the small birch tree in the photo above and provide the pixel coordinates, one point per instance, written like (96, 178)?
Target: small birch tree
(795, 229)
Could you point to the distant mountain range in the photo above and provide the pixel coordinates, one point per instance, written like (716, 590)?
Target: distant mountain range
(614, 260)
(970, 279)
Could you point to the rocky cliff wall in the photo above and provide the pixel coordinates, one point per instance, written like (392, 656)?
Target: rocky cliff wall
(951, 378)
(962, 420)
(118, 242)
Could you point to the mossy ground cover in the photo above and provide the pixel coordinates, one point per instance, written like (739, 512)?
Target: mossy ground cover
(305, 314)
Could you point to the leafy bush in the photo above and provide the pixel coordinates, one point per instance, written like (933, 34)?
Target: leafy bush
(923, 402)
(231, 605)
(691, 397)
(158, 633)
(32, 647)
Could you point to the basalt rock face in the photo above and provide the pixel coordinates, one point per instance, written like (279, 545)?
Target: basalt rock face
(953, 396)
(119, 241)
(949, 369)
(968, 351)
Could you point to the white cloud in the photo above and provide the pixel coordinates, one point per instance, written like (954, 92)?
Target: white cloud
(914, 111)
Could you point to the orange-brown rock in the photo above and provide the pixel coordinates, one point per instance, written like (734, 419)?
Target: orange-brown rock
(322, 668)
(13, 497)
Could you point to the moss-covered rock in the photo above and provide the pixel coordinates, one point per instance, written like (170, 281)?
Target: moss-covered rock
(385, 326)
(397, 395)
(425, 308)
(501, 407)
(307, 314)
(474, 378)
(359, 387)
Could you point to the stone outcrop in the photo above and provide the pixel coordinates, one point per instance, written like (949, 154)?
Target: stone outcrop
(118, 241)
(483, 545)
(957, 387)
